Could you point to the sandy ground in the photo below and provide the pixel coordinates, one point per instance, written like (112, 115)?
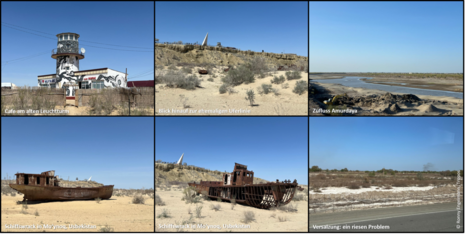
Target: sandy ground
(209, 98)
(117, 212)
(454, 106)
(264, 222)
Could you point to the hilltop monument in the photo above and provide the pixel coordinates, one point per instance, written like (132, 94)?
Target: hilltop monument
(204, 43)
(180, 160)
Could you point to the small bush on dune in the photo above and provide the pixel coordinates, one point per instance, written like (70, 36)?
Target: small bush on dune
(300, 87)
(138, 199)
(210, 79)
(278, 80)
(238, 76)
(178, 79)
(36, 213)
(98, 200)
(366, 185)
(106, 229)
(248, 217)
(265, 89)
(186, 70)
(282, 219)
(198, 211)
(164, 214)
(293, 75)
(287, 208)
(223, 88)
(250, 97)
(215, 207)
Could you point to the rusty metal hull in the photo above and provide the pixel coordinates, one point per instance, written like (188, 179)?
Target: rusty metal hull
(257, 195)
(41, 193)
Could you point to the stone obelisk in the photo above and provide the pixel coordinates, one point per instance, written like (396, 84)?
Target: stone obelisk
(204, 43)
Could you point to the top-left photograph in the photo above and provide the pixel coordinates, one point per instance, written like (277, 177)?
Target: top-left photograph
(90, 59)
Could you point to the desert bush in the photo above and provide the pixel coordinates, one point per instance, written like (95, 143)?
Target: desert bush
(238, 76)
(198, 211)
(258, 66)
(273, 215)
(248, 217)
(300, 87)
(285, 85)
(210, 79)
(25, 205)
(282, 219)
(159, 201)
(204, 194)
(224, 88)
(24, 211)
(13, 194)
(172, 67)
(216, 207)
(186, 70)
(293, 75)
(275, 91)
(354, 185)
(98, 200)
(106, 229)
(36, 213)
(366, 185)
(265, 89)
(138, 199)
(278, 80)
(164, 214)
(250, 97)
(179, 79)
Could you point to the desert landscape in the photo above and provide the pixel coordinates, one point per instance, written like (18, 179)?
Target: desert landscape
(336, 191)
(120, 213)
(346, 100)
(229, 82)
(179, 209)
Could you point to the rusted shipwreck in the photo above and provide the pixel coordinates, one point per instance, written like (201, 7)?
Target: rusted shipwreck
(238, 185)
(45, 187)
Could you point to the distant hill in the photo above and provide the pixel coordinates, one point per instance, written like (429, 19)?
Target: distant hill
(174, 54)
(165, 173)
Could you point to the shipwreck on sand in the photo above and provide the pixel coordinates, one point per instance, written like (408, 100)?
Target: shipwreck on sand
(45, 187)
(238, 185)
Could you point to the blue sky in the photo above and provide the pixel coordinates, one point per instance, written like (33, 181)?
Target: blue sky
(117, 151)
(271, 26)
(398, 143)
(117, 23)
(274, 148)
(386, 37)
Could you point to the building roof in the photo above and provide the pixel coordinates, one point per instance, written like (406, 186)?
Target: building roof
(7, 84)
(69, 32)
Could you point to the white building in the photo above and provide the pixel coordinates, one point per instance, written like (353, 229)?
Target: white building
(8, 85)
(67, 56)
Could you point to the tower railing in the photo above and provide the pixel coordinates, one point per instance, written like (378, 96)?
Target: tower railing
(75, 51)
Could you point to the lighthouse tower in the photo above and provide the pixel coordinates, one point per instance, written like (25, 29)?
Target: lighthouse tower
(67, 55)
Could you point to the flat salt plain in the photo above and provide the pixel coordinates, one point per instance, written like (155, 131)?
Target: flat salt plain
(343, 190)
(346, 199)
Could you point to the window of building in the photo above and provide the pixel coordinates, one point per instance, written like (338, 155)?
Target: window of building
(85, 85)
(97, 85)
(66, 36)
(61, 37)
(53, 85)
(67, 68)
(44, 85)
(71, 37)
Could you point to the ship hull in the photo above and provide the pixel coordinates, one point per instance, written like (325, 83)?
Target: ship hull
(261, 196)
(41, 193)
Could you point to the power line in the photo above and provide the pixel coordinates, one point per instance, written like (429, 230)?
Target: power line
(79, 39)
(143, 73)
(81, 44)
(28, 57)
(141, 76)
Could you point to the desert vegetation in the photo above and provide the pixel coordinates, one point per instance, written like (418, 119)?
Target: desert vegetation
(335, 190)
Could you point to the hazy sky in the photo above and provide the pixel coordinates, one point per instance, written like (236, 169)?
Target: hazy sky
(113, 150)
(273, 148)
(29, 32)
(399, 143)
(271, 26)
(386, 37)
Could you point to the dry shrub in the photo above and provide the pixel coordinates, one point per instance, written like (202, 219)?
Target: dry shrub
(164, 214)
(158, 201)
(366, 185)
(282, 219)
(106, 229)
(248, 217)
(216, 207)
(138, 199)
(354, 185)
(98, 200)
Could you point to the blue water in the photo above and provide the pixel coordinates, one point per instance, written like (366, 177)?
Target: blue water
(356, 82)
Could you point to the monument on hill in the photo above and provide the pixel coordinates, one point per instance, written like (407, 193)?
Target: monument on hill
(204, 43)
(180, 160)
